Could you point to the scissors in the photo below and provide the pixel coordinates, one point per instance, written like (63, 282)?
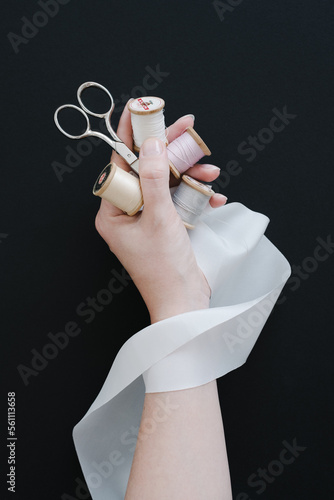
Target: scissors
(115, 142)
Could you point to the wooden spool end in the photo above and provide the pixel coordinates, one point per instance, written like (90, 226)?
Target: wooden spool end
(146, 105)
(199, 141)
(104, 179)
(202, 188)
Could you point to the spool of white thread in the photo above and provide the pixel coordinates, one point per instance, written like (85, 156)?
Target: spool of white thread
(190, 199)
(186, 150)
(147, 120)
(120, 188)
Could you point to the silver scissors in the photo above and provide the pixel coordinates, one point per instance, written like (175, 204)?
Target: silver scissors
(115, 142)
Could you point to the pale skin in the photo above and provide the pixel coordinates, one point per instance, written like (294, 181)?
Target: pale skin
(185, 457)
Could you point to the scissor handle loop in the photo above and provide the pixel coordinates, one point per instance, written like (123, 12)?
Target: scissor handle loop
(99, 86)
(81, 136)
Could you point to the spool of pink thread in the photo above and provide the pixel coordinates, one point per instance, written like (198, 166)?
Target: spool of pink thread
(187, 150)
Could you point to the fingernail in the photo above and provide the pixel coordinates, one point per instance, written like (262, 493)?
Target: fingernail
(192, 116)
(222, 196)
(208, 166)
(151, 147)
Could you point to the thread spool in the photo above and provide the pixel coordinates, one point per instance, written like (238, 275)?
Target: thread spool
(187, 150)
(120, 188)
(147, 120)
(190, 199)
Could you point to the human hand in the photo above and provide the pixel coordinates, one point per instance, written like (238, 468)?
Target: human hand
(153, 245)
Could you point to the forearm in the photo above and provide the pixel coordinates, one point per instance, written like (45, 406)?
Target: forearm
(181, 452)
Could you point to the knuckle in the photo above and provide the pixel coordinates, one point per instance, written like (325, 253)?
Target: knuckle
(153, 171)
(99, 223)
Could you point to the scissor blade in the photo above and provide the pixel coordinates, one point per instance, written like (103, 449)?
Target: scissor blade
(135, 166)
(126, 153)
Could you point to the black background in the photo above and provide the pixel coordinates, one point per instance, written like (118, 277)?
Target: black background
(230, 73)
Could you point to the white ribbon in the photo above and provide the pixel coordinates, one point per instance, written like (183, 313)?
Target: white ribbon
(246, 274)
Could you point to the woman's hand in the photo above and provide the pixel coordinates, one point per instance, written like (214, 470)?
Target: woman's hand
(153, 245)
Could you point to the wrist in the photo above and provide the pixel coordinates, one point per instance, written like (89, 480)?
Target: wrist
(169, 308)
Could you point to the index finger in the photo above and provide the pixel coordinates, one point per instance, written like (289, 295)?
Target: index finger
(179, 127)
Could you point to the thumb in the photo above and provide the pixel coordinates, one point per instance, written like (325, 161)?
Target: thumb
(154, 177)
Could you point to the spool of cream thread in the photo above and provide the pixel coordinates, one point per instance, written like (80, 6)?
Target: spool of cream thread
(190, 199)
(186, 150)
(147, 120)
(120, 188)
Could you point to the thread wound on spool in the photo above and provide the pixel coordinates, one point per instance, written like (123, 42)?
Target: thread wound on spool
(120, 188)
(187, 150)
(190, 199)
(147, 119)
